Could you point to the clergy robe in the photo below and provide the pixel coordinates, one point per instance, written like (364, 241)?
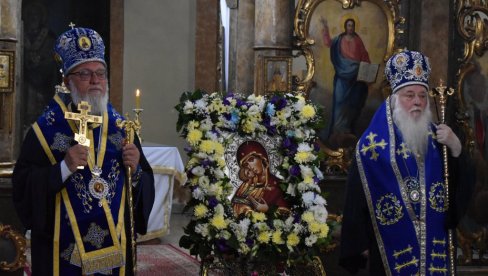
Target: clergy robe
(36, 182)
(358, 233)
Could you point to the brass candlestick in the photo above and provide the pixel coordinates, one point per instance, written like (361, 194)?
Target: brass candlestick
(442, 92)
(130, 128)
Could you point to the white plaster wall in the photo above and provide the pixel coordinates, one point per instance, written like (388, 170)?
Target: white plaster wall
(159, 59)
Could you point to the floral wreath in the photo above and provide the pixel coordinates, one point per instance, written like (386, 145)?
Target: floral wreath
(209, 123)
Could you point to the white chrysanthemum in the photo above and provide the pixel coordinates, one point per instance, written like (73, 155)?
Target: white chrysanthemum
(306, 171)
(203, 181)
(319, 213)
(278, 224)
(198, 194)
(304, 147)
(201, 105)
(202, 229)
(188, 108)
(206, 124)
(311, 240)
(211, 136)
(308, 198)
(219, 174)
(198, 171)
(219, 209)
(319, 200)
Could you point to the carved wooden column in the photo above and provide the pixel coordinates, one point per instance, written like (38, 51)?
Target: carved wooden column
(272, 34)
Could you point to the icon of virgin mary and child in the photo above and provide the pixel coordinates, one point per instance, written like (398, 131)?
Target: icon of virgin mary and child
(260, 190)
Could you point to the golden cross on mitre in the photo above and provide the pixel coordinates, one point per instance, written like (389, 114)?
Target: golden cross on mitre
(72, 25)
(84, 118)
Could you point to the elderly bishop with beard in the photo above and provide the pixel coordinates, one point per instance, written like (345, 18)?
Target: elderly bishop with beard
(396, 218)
(73, 197)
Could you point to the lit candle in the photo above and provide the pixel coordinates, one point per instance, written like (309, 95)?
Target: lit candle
(138, 99)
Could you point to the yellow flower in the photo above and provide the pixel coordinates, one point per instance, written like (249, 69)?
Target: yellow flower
(221, 162)
(248, 126)
(277, 237)
(308, 111)
(263, 237)
(302, 156)
(324, 230)
(207, 146)
(200, 210)
(314, 227)
(258, 216)
(218, 222)
(308, 180)
(292, 239)
(308, 217)
(193, 125)
(219, 149)
(194, 137)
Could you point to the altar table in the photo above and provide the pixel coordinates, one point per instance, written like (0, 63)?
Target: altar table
(168, 169)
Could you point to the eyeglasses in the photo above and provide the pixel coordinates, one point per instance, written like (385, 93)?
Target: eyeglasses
(86, 74)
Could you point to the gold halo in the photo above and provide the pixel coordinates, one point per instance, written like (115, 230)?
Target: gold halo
(350, 16)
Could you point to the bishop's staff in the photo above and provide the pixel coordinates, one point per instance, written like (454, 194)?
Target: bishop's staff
(130, 127)
(442, 92)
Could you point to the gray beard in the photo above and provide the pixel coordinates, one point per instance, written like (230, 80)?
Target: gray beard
(415, 132)
(98, 103)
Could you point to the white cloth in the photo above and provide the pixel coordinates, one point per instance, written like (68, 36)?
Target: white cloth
(167, 167)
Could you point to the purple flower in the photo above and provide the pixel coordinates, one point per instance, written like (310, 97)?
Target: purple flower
(278, 101)
(295, 170)
(249, 242)
(212, 202)
(222, 245)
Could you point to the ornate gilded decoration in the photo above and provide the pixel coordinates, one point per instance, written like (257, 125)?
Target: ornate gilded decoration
(303, 44)
(19, 243)
(471, 26)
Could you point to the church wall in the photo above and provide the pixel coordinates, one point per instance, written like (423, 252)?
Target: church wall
(159, 58)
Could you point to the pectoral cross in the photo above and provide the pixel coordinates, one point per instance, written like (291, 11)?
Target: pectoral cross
(84, 118)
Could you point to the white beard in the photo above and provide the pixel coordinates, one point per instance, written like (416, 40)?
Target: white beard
(415, 132)
(97, 102)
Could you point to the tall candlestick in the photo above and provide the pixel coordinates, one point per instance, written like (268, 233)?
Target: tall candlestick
(138, 99)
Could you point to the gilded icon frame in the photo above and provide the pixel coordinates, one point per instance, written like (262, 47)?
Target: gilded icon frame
(7, 75)
(470, 114)
(308, 45)
(271, 63)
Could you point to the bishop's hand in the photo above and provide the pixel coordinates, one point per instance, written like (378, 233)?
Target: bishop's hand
(130, 156)
(76, 155)
(447, 137)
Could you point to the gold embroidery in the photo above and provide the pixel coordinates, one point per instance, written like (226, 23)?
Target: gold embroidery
(439, 242)
(413, 262)
(441, 255)
(372, 146)
(433, 269)
(404, 151)
(397, 254)
(96, 235)
(437, 197)
(388, 210)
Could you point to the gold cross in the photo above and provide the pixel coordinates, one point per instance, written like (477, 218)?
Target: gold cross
(403, 151)
(72, 25)
(372, 146)
(84, 118)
